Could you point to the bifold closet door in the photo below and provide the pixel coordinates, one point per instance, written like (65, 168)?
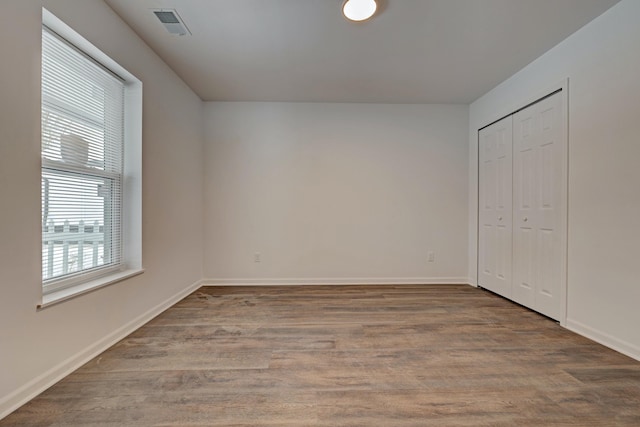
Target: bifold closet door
(539, 150)
(495, 207)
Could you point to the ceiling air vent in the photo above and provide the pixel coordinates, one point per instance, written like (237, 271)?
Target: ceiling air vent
(172, 22)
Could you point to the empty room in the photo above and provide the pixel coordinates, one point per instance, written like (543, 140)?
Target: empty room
(319, 213)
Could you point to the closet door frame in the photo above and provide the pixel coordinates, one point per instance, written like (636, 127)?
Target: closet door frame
(563, 88)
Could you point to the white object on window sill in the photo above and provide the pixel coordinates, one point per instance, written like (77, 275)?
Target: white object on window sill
(90, 286)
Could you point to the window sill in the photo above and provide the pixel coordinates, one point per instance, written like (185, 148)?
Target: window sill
(66, 294)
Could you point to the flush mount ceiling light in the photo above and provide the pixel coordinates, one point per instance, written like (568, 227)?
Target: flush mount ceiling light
(359, 10)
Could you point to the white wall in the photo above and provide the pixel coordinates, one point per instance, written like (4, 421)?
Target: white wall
(603, 66)
(38, 347)
(335, 193)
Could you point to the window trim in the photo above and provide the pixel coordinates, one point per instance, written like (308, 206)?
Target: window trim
(131, 223)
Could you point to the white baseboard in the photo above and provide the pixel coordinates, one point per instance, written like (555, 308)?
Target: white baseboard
(605, 339)
(39, 384)
(336, 281)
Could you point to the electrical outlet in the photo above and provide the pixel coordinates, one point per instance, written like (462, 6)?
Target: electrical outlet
(431, 257)
(256, 257)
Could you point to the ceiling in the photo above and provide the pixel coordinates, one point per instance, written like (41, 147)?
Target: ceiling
(413, 51)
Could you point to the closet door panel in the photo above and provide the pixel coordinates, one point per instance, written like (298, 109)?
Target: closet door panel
(538, 177)
(551, 158)
(495, 207)
(524, 182)
(486, 206)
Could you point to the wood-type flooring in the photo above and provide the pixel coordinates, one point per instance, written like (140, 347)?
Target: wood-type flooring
(449, 355)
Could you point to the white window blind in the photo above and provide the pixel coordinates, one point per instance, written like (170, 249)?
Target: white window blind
(82, 165)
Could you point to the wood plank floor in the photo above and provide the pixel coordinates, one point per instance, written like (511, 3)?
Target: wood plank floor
(346, 356)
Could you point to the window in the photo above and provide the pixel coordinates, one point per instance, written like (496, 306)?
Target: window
(85, 210)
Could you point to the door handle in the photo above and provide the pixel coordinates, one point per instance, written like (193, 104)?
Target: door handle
(499, 218)
(525, 219)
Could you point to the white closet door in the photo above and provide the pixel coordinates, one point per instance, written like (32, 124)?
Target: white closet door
(539, 150)
(495, 203)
